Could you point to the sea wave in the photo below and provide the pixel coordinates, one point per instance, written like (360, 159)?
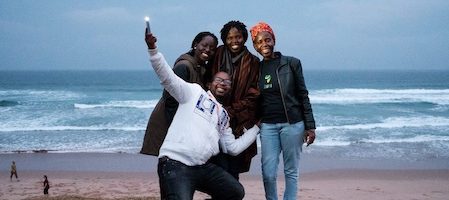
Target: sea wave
(8, 103)
(418, 138)
(41, 94)
(118, 104)
(394, 122)
(327, 141)
(371, 96)
(70, 128)
(331, 143)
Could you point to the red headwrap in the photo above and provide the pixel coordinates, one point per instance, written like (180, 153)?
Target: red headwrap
(260, 27)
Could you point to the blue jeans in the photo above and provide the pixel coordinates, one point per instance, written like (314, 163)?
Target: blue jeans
(179, 181)
(288, 139)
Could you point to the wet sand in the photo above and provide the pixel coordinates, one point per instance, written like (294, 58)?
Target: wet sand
(128, 176)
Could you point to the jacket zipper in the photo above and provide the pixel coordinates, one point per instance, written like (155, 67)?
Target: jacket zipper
(282, 95)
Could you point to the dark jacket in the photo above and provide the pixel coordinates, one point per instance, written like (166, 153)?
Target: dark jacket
(294, 94)
(188, 69)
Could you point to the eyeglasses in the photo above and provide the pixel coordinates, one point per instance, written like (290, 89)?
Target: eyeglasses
(222, 81)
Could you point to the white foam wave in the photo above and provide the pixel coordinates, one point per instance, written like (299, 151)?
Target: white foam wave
(395, 122)
(419, 138)
(370, 96)
(119, 104)
(441, 108)
(70, 128)
(41, 94)
(332, 142)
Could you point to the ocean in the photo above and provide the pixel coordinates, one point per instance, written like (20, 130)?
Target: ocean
(359, 114)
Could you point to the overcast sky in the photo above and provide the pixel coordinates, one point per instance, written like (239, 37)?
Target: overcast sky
(105, 35)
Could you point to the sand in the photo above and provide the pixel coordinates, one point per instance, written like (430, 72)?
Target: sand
(133, 176)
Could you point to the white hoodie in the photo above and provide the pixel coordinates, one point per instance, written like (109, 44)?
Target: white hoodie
(200, 124)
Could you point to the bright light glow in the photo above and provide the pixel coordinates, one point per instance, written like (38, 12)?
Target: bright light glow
(147, 19)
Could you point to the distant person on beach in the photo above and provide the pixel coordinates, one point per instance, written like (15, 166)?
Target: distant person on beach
(286, 113)
(191, 67)
(199, 130)
(243, 67)
(13, 171)
(46, 185)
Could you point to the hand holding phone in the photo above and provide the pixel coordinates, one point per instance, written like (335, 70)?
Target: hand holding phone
(151, 40)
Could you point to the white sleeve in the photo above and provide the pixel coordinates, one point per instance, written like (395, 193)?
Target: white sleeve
(232, 146)
(176, 86)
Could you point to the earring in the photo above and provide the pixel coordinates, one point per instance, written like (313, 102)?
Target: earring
(194, 47)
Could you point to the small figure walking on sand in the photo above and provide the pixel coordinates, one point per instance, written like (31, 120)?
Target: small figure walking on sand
(46, 185)
(14, 171)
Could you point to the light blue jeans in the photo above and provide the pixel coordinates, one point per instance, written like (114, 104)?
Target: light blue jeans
(288, 139)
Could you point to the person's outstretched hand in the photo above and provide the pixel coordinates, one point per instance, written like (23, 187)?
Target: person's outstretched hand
(150, 40)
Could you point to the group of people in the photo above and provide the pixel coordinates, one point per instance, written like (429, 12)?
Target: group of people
(216, 101)
(45, 183)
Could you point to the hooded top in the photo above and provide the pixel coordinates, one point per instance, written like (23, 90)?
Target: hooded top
(188, 69)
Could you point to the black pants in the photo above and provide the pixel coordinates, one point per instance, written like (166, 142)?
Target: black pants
(179, 181)
(13, 173)
(229, 163)
(46, 189)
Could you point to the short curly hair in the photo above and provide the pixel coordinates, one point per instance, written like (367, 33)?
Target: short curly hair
(238, 25)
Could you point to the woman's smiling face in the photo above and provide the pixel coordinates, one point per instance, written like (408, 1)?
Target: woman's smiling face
(234, 40)
(205, 49)
(264, 45)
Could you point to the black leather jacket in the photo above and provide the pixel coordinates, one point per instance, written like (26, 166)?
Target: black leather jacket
(295, 96)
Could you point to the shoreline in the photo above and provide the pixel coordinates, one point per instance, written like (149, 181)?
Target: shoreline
(135, 162)
(128, 176)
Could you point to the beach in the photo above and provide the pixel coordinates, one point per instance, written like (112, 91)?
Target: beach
(77, 90)
(134, 176)
(380, 135)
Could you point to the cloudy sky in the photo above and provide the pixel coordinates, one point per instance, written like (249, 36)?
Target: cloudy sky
(108, 35)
